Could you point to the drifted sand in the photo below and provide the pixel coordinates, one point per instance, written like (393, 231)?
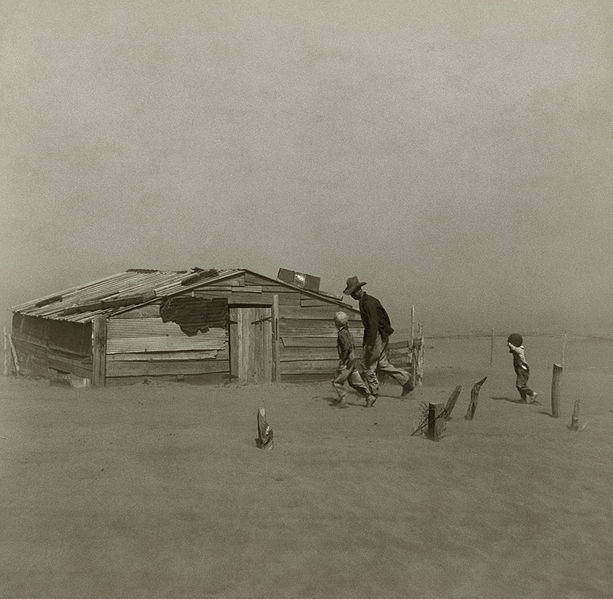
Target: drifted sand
(159, 491)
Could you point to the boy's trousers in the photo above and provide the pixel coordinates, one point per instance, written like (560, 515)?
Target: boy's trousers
(348, 373)
(523, 374)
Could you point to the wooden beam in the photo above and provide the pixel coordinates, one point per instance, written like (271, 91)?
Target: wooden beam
(555, 390)
(452, 401)
(474, 398)
(99, 350)
(276, 371)
(436, 421)
(574, 421)
(6, 353)
(14, 354)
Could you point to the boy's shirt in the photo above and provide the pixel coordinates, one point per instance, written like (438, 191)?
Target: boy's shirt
(519, 356)
(344, 345)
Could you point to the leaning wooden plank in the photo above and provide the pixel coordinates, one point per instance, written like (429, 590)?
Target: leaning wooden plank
(453, 398)
(162, 368)
(163, 344)
(474, 398)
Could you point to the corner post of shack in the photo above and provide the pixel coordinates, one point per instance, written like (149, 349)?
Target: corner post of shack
(99, 350)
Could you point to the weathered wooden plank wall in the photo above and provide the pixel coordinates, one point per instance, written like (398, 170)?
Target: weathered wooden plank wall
(42, 344)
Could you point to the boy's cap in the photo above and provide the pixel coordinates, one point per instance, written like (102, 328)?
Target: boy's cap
(515, 339)
(353, 283)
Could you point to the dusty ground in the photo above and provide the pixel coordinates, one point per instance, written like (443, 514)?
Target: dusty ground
(159, 491)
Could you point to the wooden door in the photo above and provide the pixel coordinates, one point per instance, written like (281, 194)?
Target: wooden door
(251, 343)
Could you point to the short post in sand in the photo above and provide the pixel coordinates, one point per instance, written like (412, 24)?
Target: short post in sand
(574, 421)
(264, 439)
(492, 349)
(6, 353)
(14, 355)
(417, 357)
(436, 421)
(474, 398)
(555, 390)
(452, 401)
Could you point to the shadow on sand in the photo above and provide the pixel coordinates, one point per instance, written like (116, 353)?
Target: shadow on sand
(349, 401)
(509, 399)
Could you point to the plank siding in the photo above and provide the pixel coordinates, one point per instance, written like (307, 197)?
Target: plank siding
(316, 313)
(309, 367)
(35, 359)
(154, 368)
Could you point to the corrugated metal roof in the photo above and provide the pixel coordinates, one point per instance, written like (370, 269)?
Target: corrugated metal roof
(105, 296)
(117, 293)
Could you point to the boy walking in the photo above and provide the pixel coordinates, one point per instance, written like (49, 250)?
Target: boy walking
(522, 370)
(346, 370)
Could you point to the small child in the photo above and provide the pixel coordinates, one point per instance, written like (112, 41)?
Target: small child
(522, 370)
(346, 370)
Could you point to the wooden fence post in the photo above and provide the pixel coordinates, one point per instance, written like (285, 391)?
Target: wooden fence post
(417, 357)
(99, 350)
(436, 421)
(574, 421)
(264, 440)
(6, 353)
(14, 354)
(564, 341)
(412, 332)
(275, 339)
(474, 398)
(492, 349)
(452, 401)
(555, 390)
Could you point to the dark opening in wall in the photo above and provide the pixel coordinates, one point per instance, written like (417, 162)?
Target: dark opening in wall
(195, 314)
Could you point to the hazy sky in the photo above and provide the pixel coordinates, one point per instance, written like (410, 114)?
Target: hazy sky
(456, 155)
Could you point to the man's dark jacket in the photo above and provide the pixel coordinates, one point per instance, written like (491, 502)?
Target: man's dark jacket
(374, 319)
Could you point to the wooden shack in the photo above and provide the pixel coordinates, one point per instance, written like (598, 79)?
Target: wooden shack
(209, 325)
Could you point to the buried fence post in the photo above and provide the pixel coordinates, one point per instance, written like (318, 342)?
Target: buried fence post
(574, 421)
(436, 421)
(555, 390)
(14, 354)
(417, 357)
(474, 398)
(451, 401)
(6, 353)
(264, 439)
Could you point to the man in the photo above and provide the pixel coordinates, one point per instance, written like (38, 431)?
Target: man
(377, 329)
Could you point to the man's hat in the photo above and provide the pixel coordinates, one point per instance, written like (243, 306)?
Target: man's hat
(353, 284)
